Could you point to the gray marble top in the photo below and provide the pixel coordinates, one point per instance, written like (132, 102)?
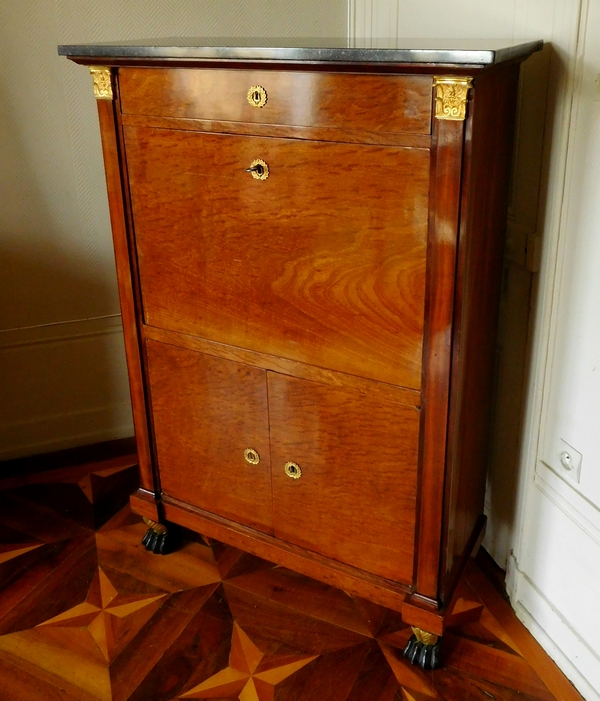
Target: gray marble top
(451, 51)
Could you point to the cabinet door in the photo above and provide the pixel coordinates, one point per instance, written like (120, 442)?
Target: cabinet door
(355, 499)
(323, 262)
(207, 412)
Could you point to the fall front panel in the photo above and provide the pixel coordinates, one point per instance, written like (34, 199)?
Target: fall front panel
(321, 262)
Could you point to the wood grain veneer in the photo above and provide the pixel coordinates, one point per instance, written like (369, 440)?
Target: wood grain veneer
(479, 276)
(284, 366)
(297, 265)
(119, 211)
(392, 104)
(207, 412)
(348, 135)
(352, 450)
(443, 234)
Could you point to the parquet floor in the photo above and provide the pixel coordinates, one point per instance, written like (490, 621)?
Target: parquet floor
(87, 614)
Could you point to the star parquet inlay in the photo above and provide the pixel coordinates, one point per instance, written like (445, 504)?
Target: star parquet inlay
(90, 615)
(251, 673)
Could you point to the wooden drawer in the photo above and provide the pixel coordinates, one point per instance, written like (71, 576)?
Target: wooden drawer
(375, 103)
(356, 498)
(207, 412)
(323, 262)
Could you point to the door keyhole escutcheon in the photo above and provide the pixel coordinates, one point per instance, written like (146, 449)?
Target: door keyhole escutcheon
(293, 470)
(251, 456)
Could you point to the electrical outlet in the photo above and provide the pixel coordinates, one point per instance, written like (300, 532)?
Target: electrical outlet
(567, 461)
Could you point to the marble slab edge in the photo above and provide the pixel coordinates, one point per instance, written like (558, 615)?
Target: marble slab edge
(313, 54)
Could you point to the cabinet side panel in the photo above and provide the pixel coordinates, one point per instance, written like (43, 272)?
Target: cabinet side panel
(114, 183)
(479, 278)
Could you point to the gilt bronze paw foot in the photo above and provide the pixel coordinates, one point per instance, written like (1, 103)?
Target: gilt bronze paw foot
(159, 539)
(424, 649)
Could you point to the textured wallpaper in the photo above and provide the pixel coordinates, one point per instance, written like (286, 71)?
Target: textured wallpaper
(56, 260)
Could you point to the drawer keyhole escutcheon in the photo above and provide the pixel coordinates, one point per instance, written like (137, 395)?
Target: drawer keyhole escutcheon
(259, 169)
(293, 470)
(251, 456)
(257, 96)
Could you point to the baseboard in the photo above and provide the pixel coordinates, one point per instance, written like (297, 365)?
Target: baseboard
(64, 385)
(579, 663)
(62, 431)
(60, 331)
(71, 457)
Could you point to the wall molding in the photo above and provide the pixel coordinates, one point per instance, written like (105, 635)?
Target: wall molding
(75, 371)
(559, 166)
(580, 510)
(370, 20)
(567, 26)
(564, 240)
(357, 13)
(554, 633)
(542, 617)
(60, 331)
(66, 430)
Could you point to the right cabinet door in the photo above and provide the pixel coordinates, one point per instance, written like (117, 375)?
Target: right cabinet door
(349, 490)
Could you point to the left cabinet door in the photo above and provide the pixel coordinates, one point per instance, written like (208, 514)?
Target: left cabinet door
(212, 433)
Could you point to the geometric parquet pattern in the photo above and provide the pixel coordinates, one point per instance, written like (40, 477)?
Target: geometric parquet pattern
(87, 614)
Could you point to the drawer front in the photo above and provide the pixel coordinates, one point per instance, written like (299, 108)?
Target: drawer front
(323, 262)
(207, 412)
(355, 500)
(390, 104)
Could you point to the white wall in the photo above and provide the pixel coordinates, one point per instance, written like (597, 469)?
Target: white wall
(543, 523)
(555, 567)
(62, 370)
